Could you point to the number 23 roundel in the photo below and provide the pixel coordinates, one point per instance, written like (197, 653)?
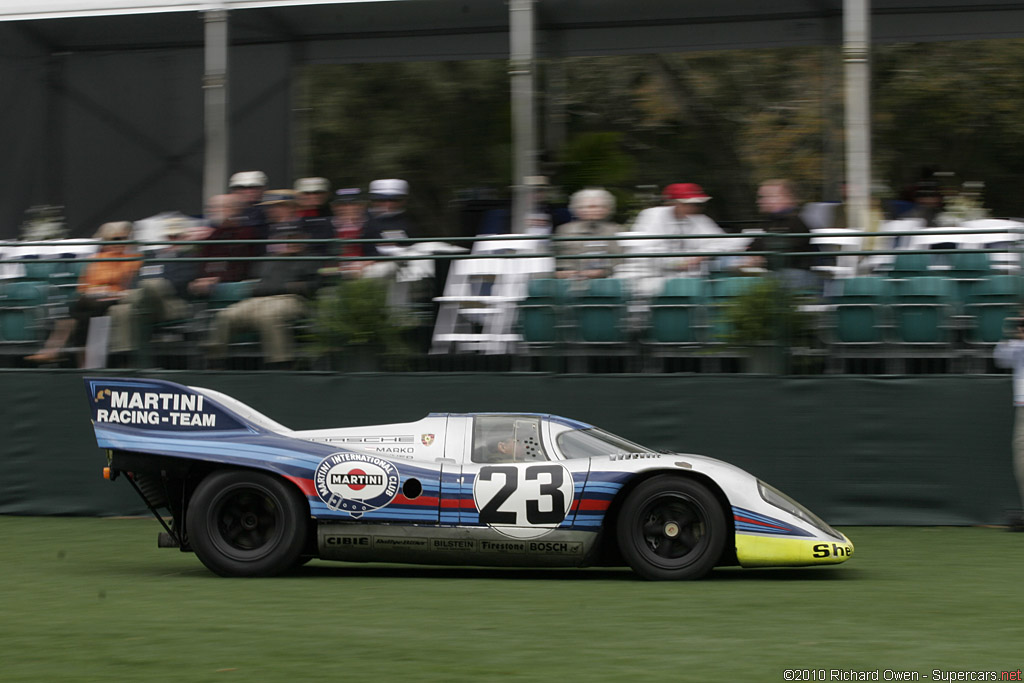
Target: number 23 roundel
(525, 501)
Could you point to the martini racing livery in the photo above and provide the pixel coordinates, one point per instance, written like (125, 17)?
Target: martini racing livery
(253, 498)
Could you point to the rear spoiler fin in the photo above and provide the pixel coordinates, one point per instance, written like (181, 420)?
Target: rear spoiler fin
(153, 405)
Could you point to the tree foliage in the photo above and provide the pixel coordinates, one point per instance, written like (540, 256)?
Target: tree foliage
(726, 120)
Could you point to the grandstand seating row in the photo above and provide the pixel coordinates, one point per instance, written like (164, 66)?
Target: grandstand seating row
(927, 305)
(881, 317)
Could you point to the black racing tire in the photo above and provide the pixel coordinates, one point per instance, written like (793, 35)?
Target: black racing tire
(245, 523)
(671, 529)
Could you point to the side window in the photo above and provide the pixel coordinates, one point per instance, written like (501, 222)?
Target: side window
(578, 444)
(507, 438)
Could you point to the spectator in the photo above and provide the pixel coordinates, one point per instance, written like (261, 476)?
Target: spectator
(249, 187)
(102, 285)
(777, 200)
(592, 208)
(680, 217)
(227, 221)
(312, 194)
(160, 293)
(348, 222)
(388, 217)
(1009, 353)
(928, 203)
(544, 215)
(290, 219)
(279, 297)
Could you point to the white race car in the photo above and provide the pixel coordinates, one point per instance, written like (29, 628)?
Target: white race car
(253, 498)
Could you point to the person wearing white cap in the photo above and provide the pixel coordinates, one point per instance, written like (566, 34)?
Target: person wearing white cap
(388, 217)
(282, 294)
(249, 186)
(313, 195)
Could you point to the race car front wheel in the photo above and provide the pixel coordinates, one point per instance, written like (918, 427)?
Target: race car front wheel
(671, 528)
(243, 523)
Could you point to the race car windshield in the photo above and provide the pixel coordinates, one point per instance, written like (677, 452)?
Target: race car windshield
(592, 443)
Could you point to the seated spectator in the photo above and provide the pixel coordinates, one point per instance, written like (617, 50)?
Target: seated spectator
(227, 222)
(349, 218)
(103, 284)
(283, 209)
(248, 187)
(544, 214)
(315, 214)
(388, 218)
(160, 292)
(279, 298)
(681, 216)
(312, 195)
(670, 225)
(928, 203)
(777, 200)
(591, 207)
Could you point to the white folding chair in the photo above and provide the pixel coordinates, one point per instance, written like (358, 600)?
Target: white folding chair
(478, 308)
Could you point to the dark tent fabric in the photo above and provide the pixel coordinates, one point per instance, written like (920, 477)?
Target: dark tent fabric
(101, 108)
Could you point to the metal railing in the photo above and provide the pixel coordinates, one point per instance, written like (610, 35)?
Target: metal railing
(151, 253)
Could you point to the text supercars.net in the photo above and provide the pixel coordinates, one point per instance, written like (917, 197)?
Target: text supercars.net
(898, 675)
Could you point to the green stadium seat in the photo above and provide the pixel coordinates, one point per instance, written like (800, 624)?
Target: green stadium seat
(911, 265)
(541, 312)
(23, 315)
(968, 270)
(923, 309)
(989, 304)
(859, 322)
(860, 314)
(677, 327)
(600, 314)
(677, 314)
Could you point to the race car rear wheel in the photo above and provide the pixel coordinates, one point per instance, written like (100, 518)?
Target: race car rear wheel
(243, 523)
(671, 528)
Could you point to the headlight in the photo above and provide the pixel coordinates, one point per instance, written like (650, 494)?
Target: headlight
(775, 497)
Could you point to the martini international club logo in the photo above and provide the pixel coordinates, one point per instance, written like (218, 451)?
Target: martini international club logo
(356, 484)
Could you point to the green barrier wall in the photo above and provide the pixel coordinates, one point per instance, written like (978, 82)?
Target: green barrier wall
(856, 450)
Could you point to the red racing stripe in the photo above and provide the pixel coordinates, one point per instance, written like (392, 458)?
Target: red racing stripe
(305, 485)
(423, 501)
(466, 503)
(738, 518)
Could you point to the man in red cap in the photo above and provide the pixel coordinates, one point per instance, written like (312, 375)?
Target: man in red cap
(672, 224)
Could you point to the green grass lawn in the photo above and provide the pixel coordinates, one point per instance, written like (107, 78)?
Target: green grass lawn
(95, 599)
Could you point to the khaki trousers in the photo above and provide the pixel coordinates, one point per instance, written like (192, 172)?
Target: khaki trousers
(156, 299)
(271, 316)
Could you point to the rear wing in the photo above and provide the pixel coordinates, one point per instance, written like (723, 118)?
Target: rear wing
(156, 417)
(150, 405)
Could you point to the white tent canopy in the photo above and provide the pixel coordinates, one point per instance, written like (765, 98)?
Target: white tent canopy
(58, 9)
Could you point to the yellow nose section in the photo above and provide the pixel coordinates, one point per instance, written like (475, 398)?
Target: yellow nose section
(765, 551)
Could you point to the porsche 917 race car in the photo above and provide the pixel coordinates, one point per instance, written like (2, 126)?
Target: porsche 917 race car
(253, 498)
